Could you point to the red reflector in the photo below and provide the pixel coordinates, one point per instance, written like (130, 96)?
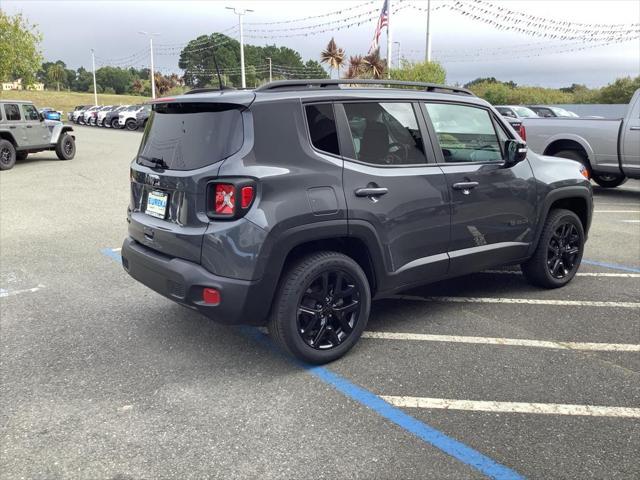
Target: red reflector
(523, 132)
(211, 296)
(246, 196)
(225, 199)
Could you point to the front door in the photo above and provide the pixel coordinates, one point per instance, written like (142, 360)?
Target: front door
(394, 188)
(493, 208)
(36, 131)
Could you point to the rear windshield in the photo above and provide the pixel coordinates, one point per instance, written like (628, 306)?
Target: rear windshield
(186, 136)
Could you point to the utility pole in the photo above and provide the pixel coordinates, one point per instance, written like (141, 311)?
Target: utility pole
(427, 53)
(95, 88)
(152, 74)
(397, 54)
(240, 12)
(270, 74)
(389, 39)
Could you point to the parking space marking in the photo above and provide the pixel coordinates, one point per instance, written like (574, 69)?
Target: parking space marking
(616, 211)
(631, 221)
(450, 446)
(8, 293)
(613, 266)
(512, 407)
(579, 274)
(517, 342)
(524, 301)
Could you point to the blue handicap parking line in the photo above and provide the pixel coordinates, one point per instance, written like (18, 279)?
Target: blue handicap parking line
(614, 266)
(456, 449)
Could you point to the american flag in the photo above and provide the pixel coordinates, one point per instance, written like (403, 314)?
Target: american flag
(383, 21)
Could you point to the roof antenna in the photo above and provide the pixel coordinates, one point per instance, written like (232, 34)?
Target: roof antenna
(215, 62)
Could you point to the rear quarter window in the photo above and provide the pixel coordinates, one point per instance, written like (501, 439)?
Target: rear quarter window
(322, 128)
(186, 136)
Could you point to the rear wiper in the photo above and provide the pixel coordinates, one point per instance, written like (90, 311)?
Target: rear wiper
(158, 162)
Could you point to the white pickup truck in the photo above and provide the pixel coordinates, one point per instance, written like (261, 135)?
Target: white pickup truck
(609, 148)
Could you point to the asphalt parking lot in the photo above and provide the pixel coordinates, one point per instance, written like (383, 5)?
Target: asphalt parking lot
(474, 377)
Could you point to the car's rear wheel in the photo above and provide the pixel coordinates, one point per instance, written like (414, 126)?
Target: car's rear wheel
(7, 155)
(559, 251)
(131, 124)
(115, 123)
(609, 180)
(321, 307)
(66, 147)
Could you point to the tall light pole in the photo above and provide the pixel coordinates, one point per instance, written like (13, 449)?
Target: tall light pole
(95, 88)
(270, 72)
(240, 12)
(398, 54)
(427, 53)
(152, 74)
(389, 39)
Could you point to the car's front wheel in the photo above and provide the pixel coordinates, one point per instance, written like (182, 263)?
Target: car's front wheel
(7, 155)
(321, 307)
(559, 251)
(66, 147)
(609, 180)
(115, 123)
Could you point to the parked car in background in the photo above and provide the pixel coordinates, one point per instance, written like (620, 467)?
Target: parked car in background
(88, 115)
(74, 116)
(102, 113)
(111, 117)
(50, 114)
(546, 111)
(23, 130)
(293, 205)
(143, 115)
(514, 115)
(609, 148)
(127, 118)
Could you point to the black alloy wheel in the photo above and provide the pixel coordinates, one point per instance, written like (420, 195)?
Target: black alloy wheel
(328, 310)
(563, 250)
(7, 155)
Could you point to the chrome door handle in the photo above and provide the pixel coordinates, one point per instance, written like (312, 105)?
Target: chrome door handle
(465, 185)
(634, 128)
(371, 191)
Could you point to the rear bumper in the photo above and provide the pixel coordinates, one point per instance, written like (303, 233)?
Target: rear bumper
(183, 281)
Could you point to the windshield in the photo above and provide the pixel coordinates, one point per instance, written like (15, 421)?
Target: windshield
(561, 112)
(186, 136)
(525, 112)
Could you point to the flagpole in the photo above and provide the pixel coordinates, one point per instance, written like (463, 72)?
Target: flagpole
(389, 39)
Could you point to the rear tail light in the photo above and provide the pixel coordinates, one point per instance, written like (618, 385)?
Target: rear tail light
(211, 296)
(523, 132)
(231, 199)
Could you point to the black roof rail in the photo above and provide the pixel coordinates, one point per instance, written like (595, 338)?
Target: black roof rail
(335, 84)
(208, 89)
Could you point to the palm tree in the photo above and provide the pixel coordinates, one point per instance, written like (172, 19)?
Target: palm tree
(356, 66)
(56, 73)
(333, 56)
(374, 65)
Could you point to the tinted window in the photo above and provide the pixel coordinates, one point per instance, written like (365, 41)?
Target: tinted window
(322, 128)
(385, 133)
(465, 133)
(506, 112)
(30, 112)
(12, 111)
(186, 136)
(543, 112)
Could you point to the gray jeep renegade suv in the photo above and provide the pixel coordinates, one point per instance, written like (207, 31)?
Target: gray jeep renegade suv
(295, 204)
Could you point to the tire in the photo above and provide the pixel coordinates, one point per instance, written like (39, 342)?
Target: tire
(131, 125)
(115, 123)
(66, 147)
(552, 265)
(302, 303)
(7, 155)
(609, 180)
(22, 155)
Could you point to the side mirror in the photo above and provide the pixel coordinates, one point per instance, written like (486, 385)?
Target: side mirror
(516, 152)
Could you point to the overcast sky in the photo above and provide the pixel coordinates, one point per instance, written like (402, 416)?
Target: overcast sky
(72, 28)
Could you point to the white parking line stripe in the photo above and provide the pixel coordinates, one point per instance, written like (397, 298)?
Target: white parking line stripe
(631, 221)
(579, 274)
(116, 249)
(518, 342)
(9, 293)
(512, 407)
(526, 301)
(616, 211)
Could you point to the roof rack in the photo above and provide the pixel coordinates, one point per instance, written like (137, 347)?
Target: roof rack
(335, 84)
(208, 89)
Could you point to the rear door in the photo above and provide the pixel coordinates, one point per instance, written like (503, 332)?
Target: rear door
(16, 125)
(394, 188)
(492, 207)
